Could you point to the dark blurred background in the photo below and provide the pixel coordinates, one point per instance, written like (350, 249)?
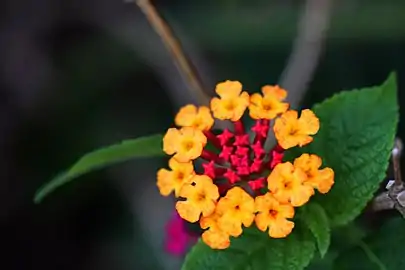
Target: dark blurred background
(77, 75)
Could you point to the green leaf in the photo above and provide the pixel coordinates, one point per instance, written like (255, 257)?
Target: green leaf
(383, 250)
(355, 139)
(255, 250)
(315, 218)
(143, 147)
(325, 263)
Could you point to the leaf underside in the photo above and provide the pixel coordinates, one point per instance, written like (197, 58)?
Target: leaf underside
(143, 147)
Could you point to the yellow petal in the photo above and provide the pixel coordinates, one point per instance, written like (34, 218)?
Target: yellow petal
(261, 203)
(242, 104)
(254, 109)
(164, 182)
(170, 141)
(188, 190)
(212, 191)
(276, 178)
(262, 221)
(308, 163)
(308, 122)
(286, 210)
(247, 218)
(209, 221)
(188, 211)
(301, 195)
(281, 228)
(203, 183)
(186, 116)
(207, 207)
(326, 180)
(275, 91)
(228, 89)
(230, 225)
(216, 239)
(206, 121)
(289, 116)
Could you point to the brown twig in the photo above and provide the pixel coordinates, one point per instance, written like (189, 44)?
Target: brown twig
(396, 160)
(185, 67)
(394, 198)
(307, 46)
(306, 52)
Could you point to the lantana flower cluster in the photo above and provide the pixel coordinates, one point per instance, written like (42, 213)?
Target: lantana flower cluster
(237, 183)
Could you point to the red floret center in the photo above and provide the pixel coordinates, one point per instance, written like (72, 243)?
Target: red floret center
(240, 158)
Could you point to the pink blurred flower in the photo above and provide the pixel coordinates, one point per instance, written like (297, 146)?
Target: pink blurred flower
(178, 239)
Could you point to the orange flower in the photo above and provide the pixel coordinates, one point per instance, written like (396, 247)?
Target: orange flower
(322, 180)
(269, 105)
(201, 195)
(181, 173)
(288, 184)
(273, 215)
(191, 116)
(186, 143)
(232, 102)
(291, 131)
(236, 208)
(214, 237)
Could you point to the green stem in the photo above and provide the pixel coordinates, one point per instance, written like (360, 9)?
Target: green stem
(371, 256)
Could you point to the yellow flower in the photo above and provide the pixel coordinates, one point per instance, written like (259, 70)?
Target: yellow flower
(273, 215)
(291, 131)
(236, 208)
(214, 237)
(288, 184)
(270, 104)
(181, 173)
(322, 180)
(186, 143)
(232, 102)
(191, 116)
(201, 196)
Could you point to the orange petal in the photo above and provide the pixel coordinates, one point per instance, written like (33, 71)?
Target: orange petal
(262, 221)
(170, 141)
(188, 190)
(209, 221)
(289, 116)
(186, 116)
(286, 210)
(326, 180)
(207, 207)
(164, 182)
(281, 228)
(216, 239)
(275, 91)
(230, 225)
(228, 89)
(254, 107)
(188, 211)
(276, 178)
(242, 104)
(301, 195)
(247, 218)
(205, 118)
(308, 163)
(308, 122)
